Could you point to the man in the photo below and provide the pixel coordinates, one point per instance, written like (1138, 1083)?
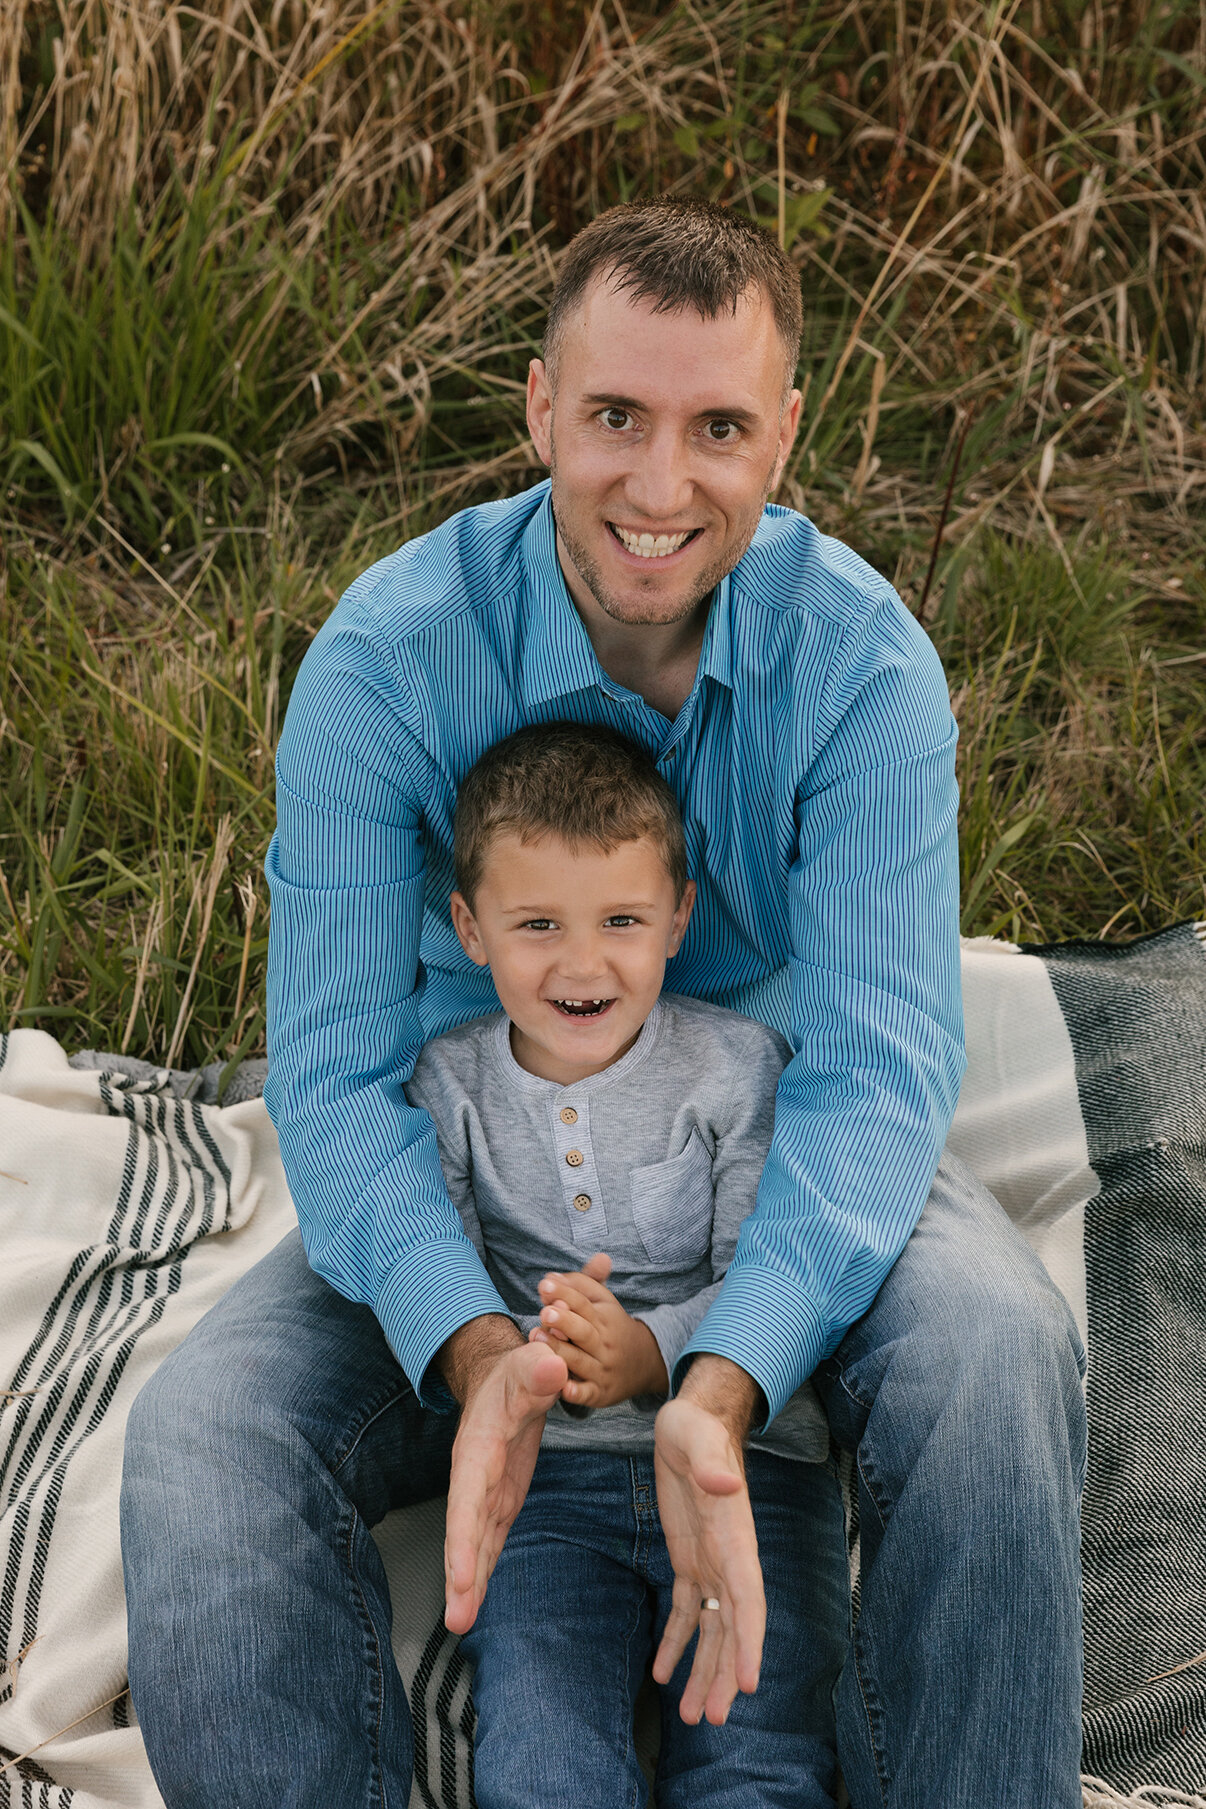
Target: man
(801, 718)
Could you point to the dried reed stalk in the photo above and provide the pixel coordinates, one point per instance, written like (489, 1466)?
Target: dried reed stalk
(217, 868)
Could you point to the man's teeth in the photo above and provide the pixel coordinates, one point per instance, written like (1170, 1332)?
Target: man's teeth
(651, 546)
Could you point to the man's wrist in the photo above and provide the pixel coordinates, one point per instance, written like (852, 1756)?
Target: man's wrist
(466, 1359)
(726, 1390)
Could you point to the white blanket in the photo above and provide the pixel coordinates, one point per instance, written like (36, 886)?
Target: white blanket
(123, 1217)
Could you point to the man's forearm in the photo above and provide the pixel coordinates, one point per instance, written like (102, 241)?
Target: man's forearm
(465, 1359)
(726, 1390)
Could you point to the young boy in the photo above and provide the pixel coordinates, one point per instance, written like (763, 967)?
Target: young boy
(595, 1117)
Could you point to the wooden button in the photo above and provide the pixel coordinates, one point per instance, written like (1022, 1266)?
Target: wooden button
(581, 1202)
(575, 1158)
(568, 1115)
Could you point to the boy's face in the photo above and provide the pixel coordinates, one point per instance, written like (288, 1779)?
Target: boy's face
(577, 943)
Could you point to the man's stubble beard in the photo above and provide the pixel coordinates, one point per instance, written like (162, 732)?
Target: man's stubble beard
(588, 569)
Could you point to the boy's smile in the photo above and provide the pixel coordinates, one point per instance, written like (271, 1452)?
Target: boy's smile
(577, 940)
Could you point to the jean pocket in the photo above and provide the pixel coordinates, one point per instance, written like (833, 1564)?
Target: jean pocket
(672, 1207)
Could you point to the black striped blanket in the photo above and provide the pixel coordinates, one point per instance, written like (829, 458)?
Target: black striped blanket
(130, 1199)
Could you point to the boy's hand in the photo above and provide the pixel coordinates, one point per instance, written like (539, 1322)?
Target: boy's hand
(610, 1355)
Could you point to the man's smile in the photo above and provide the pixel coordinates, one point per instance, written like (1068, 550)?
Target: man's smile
(644, 545)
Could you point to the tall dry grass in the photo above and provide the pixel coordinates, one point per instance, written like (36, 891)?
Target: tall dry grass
(270, 274)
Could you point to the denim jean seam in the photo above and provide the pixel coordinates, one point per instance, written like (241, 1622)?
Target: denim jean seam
(871, 1716)
(629, 1727)
(642, 1531)
(371, 1412)
(374, 1648)
(849, 1388)
(862, 1460)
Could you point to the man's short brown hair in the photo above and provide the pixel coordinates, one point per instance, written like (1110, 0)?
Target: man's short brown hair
(677, 252)
(582, 782)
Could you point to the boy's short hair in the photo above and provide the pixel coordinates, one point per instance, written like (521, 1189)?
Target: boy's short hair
(581, 781)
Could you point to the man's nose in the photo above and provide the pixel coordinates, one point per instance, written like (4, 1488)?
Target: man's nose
(660, 486)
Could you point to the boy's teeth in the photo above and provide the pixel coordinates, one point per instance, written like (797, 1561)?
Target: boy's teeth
(652, 546)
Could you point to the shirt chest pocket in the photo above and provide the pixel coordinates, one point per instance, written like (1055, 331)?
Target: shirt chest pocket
(672, 1207)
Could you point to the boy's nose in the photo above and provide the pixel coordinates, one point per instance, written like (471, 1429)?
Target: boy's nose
(582, 964)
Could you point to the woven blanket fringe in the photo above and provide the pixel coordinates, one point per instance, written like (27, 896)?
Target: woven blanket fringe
(1098, 1795)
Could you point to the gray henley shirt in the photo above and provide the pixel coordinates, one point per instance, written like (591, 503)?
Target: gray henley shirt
(656, 1161)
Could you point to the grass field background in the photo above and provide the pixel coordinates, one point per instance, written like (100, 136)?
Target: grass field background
(269, 281)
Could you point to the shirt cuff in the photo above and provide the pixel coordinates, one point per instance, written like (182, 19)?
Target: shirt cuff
(669, 1332)
(762, 1322)
(435, 1289)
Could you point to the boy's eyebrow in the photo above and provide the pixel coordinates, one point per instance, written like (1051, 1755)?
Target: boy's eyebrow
(745, 417)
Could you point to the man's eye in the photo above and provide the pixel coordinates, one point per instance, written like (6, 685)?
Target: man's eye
(723, 432)
(616, 418)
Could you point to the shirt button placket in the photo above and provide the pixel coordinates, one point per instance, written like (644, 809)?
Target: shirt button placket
(576, 1165)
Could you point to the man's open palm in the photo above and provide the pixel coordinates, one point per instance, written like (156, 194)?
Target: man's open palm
(709, 1527)
(492, 1463)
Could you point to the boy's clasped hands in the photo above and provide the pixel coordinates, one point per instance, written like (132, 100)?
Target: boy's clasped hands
(610, 1355)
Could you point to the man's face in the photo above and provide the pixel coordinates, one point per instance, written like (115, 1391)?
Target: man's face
(665, 435)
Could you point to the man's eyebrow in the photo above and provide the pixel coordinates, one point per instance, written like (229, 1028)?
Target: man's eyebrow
(744, 417)
(610, 910)
(609, 401)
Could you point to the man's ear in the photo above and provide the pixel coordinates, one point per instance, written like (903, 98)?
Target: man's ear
(682, 918)
(467, 932)
(789, 422)
(540, 410)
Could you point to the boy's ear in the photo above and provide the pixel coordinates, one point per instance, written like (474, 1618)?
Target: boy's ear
(682, 917)
(467, 932)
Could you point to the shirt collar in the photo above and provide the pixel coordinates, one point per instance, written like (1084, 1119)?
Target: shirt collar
(556, 657)
(519, 1077)
(716, 655)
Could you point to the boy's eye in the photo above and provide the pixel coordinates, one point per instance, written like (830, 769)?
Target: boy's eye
(620, 921)
(537, 923)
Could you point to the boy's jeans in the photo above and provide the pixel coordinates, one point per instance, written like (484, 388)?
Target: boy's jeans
(573, 1615)
(263, 1449)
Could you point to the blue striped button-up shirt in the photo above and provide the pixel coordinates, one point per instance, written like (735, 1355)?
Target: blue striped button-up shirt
(814, 764)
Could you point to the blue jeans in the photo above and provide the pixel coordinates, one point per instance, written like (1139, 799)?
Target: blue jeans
(263, 1449)
(573, 1615)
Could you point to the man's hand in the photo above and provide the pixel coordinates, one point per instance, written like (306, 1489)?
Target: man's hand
(506, 1387)
(610, 1355)
(709, 1528)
